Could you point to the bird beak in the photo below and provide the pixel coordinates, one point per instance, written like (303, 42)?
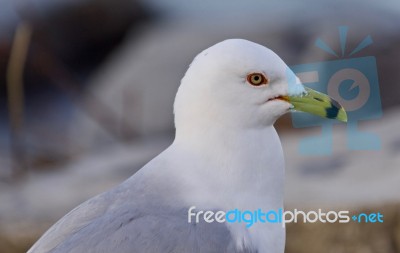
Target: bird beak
(318, 104)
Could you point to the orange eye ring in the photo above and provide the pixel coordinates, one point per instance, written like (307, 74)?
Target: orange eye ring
(257, 79)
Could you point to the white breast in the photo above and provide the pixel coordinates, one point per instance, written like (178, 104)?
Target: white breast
(231, 171)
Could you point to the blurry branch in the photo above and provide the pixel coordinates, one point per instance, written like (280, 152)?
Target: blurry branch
(15, 91)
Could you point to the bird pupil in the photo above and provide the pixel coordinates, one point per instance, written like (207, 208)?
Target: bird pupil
(256, 78)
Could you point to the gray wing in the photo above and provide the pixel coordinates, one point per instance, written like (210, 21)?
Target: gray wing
(126, 220)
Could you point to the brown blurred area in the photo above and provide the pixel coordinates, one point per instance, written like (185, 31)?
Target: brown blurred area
(64, 44)
(86, 94)
(350, 237)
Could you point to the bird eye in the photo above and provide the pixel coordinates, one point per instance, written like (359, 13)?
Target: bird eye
(257, 79)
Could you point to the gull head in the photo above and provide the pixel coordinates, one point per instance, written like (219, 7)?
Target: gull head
(240, 84)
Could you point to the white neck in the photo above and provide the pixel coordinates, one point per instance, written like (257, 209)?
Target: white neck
(234, 168)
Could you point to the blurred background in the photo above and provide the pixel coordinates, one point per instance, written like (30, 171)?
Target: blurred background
(86, 94)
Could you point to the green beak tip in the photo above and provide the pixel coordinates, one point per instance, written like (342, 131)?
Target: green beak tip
(341, 114)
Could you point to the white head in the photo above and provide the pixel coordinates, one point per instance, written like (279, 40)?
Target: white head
(236, 84)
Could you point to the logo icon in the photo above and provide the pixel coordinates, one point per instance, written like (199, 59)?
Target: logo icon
(353, 82)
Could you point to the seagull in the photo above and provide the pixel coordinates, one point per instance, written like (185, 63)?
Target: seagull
(226, 155)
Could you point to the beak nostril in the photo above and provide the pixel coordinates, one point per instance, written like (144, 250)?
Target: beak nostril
(319, 99)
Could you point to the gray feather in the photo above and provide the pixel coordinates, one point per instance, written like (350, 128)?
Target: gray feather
(131, 219)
